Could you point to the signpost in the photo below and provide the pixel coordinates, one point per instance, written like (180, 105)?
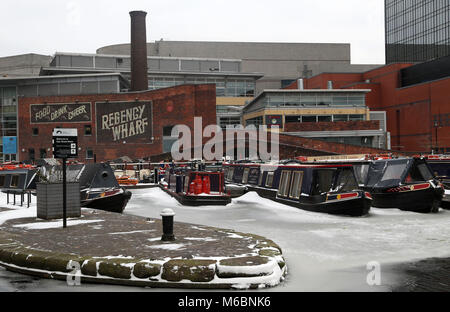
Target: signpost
(65, 145)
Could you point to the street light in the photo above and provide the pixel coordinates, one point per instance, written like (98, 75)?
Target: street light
(436, 126)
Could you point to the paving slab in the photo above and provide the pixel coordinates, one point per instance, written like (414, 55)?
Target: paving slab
(113, 248)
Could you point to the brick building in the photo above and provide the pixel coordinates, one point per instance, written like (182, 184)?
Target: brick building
(416, 100)
(135, 124)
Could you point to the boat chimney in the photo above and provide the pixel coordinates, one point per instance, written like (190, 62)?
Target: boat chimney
(300, 84)
(139, 73)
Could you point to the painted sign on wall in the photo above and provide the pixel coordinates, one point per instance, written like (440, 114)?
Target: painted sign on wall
(129, 122)
(9, 145)
(68, 112)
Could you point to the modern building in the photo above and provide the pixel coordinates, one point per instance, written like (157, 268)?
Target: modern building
(416, 30)
(233, 87)
(281, 63)
(332, 115)
(415, 99)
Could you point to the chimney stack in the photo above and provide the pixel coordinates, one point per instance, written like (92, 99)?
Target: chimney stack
(139, 74)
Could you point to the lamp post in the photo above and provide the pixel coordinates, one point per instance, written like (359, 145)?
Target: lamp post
(436, 126)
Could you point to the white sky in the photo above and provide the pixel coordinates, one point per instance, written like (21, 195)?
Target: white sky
(47, 26)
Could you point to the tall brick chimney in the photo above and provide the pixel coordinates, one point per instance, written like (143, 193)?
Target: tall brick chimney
(139, 78)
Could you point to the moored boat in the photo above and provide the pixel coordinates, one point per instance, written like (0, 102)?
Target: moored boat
(195, 188)
(99, 188)
(331, 189)
(404, 183)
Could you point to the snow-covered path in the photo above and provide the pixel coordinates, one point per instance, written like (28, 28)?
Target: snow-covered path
(323, 252)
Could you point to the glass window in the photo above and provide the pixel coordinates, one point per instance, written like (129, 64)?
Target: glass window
(35, 131)
(229, 175)
(2, 180)
(340, 117)
(324, 118)
(14, 181)
(394, 172)
(42, 153)
(308, 100)
(269, 179)
(89, 153)
(323, 181)
(283, 187)
(296, 184)
(309, 118)
(245, 175)
(87, 130)
(346, 181)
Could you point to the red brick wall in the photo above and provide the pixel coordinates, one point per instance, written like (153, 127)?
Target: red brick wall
(171, 106)
(410, 111)
(332, 126)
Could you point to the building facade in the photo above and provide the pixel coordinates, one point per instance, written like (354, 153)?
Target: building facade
(332, 115)
(417, 30)
(415, 99)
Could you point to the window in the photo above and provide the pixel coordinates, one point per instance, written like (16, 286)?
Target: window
(14, 181)
(260, 178)
(309, 119)
(89, 153)
(283, 187)
(31, 153)
(296, 184)
(269, 179)
(346, 181)
(394, 172)
(230, 174)
(35, 131)
(245, 175)
(324, 118)
(87, 130)
(323, 181)
(42, 153)
(2, 180)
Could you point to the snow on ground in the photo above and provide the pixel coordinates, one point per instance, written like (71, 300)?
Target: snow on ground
(323, 252)
(53, 224)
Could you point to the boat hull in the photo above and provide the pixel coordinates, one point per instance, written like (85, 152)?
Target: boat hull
(198, 200)
(355, 207)
(422, 201)
(114, 203)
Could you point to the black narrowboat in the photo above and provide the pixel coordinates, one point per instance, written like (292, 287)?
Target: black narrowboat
(195, 188)
(404, 183)
(331, 189)
(440, 165)
(99, 188)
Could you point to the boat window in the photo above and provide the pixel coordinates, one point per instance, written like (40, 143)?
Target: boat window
(323, 181)
(14, 181)
(425, 171)
(269, 179)
(394, 172)
(260, 178)
(296, 184)
(245, 175)
(186, 184)
(283, 187)
(361, 172)
(346, 181)
(225, 173)
(2, 180)
(230, 174)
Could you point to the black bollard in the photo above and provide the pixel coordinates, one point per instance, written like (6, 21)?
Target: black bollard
(167, 219)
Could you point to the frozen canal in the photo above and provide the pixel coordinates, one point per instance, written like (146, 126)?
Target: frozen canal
(323, 252)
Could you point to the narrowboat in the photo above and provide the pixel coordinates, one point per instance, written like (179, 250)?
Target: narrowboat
(440, 165)
(195, 188)
(404, 183)
(331, 189)
(99, 188)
